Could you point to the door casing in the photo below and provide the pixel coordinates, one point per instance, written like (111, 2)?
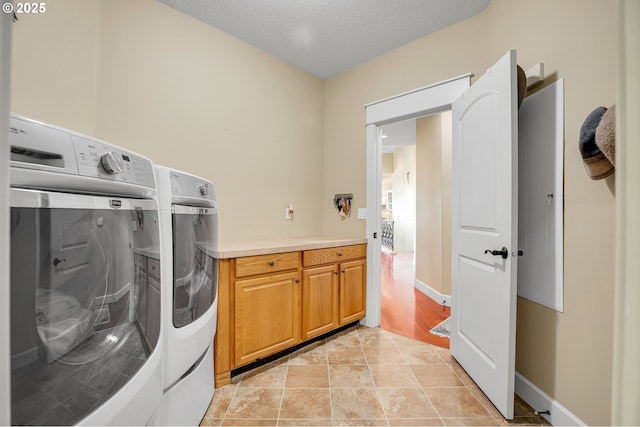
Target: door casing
(421, 102)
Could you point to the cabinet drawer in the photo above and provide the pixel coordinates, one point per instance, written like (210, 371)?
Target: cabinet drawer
(331, 255)
(261, 264)
(154, 268)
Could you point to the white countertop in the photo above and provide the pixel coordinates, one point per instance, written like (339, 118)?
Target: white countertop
(275, 246)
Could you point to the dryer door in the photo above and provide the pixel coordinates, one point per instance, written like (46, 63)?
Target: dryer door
(85, 315)
(195, 269)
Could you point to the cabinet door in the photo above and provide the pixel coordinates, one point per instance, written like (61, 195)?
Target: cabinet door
(267, 315)
(319, 300)
(352, 291)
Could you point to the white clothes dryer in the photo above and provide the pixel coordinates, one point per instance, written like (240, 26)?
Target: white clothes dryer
(189, 230)
(85, 280)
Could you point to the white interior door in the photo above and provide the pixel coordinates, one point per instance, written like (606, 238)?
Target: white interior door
(485, 218)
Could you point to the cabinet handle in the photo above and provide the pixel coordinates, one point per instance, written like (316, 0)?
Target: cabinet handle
(297, 280)
(335, 272)
(271, 263)
(339, 253)
(344, 271)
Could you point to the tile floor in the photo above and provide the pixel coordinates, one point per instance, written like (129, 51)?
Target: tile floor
(359, 377)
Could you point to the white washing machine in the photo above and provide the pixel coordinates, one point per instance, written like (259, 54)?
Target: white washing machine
(189, 230)
(86, 277)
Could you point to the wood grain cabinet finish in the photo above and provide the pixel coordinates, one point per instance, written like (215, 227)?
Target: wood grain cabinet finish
(267, 315)
(264, 264)
(333, 255)
(319, 300)
(268, 303)
(352, 291)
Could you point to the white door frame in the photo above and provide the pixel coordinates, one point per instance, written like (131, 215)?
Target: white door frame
(430, 99)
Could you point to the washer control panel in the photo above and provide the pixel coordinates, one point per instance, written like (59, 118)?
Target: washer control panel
(183, 184)
(100, 160)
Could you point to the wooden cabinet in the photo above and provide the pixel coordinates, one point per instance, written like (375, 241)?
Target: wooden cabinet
(319, 300)
(334, 293)
(352, 291)
(267, 315)
(268, 303)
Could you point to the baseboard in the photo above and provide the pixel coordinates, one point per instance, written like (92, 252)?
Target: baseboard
(540, 401)
(432, 293)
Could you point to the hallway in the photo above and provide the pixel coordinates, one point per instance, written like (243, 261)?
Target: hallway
(406, 310)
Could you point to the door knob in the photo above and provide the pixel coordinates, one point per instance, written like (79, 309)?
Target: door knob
(504, 253)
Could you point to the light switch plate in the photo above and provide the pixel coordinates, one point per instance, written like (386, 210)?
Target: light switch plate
(362, 213)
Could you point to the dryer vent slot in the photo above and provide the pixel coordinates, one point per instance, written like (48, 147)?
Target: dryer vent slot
(19, 154)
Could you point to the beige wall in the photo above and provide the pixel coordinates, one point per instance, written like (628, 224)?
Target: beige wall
(567, 355)
(387, 163)
(433, 202)
(144, 76)
(404, 198)
(56, 65)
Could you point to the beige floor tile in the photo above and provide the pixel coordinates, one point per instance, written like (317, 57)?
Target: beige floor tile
(376, 338)
(313, 354)
(220, 402)
(308, 377)
(359, 423)
(436, 375)
(525, 421)
(472, 422)
(297, 423)
(456, 402)
(393, 376)
(522, 408)
(406, 403)
(402, 341)
(349, 339)
(249, 423)
(346, 356)
(306, 404)
(270, 376)
(419, 355)
(445, 354)
(356, 404)
(378, 355)
(211, 422)
(484, 400)
(415, 422)
(255, 403)
(333, 382)
(462, 374)
(350, 376)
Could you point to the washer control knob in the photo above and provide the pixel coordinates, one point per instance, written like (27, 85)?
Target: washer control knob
(111, 162)
(204, 189)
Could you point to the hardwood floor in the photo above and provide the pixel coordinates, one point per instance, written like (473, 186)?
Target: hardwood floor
(405, 310)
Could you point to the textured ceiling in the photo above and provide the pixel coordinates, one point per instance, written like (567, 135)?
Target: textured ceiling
(327, 37)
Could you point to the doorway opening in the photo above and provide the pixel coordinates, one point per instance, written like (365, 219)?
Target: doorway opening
(422, 102)
(415, 227)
